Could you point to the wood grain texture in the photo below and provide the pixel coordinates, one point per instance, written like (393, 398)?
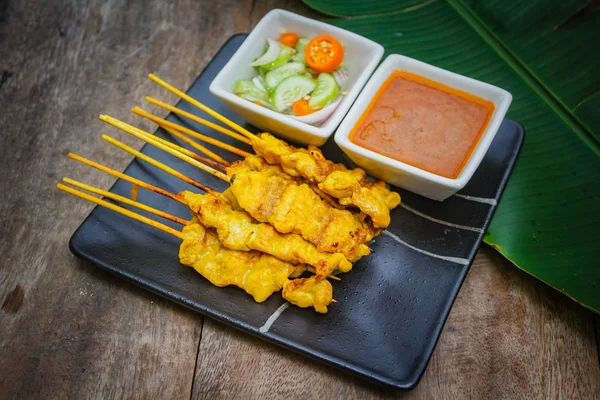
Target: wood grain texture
(597, 328)
(68, 330)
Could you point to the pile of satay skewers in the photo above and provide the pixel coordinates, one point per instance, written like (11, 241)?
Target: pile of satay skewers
(287, 212)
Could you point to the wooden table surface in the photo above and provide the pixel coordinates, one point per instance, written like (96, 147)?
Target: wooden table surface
(68, 330)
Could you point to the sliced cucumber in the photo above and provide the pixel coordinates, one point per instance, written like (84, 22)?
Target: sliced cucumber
(285, 54)
(273, 51)
(259, 82)
(327, 89)
(300, 47)
(272, 78)
(290, 90)
(248, 90)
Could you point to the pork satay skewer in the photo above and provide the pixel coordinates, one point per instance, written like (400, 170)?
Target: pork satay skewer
(330, 229)
(173, 218)
(259, 274)
(342, 232)
(238, 230)
(329, 180)
(177, 197)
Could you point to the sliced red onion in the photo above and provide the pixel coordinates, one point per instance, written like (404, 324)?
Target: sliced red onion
(340, 75)
(258, 83)
(271, 55)
(320, 116)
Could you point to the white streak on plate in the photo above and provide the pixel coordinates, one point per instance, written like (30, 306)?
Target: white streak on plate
(440, 221)
(457, 260)
(273, 318)
(485, 200)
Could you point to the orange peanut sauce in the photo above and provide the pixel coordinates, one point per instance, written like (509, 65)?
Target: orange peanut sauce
(423, 123)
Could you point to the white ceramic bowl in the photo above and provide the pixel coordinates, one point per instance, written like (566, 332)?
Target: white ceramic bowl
(404, 175)
(361, 56)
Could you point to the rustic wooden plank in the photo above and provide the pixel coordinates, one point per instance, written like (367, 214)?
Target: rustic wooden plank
(69, 330)
(597, 329)
(511, 336)
(508, 336)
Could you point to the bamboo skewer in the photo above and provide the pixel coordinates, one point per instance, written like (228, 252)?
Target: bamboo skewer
(312, 270)
(173, 131)
(181, 156)
(121, 210)
(125, 177)
(125, 200)
(157, 164)
(207, 139)
(197, 119)
(217, 158)
(156, 141)
(118, 124)
(175, 153)
(195, 145)
(201, 106)
(149, 139)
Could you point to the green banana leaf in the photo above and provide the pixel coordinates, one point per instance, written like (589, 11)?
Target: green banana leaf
(358, 8)
(547, 220)
(555, 40)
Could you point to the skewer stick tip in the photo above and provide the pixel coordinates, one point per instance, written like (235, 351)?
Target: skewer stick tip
(335, 278)
(121, 210)
(202, 107)
(333, 300)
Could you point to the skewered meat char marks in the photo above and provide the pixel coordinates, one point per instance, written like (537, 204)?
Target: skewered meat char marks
(259, 274)
(349, 186)
(239, 231)
(295, 208)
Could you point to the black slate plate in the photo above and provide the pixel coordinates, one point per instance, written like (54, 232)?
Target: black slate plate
(391, 306)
